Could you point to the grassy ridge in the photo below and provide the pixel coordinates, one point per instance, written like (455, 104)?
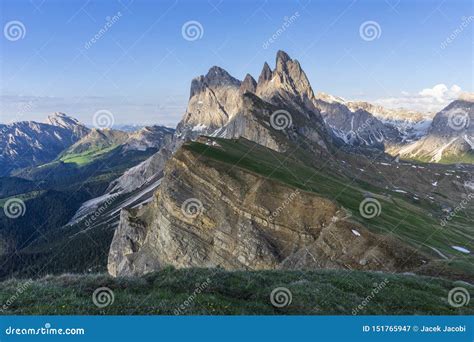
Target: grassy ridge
(230, 293)
(414, 223)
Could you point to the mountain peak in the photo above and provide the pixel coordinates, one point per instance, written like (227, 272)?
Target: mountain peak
(62, 120)
(329, 98)
(248, 85)
(218, 76)
(287, 79)
(285, 65)
(59, 115)
(266, 74)
(215, 77)
(30, 143)
(282, 58)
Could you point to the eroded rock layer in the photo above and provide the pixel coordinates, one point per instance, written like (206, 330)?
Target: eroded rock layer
(209, 214)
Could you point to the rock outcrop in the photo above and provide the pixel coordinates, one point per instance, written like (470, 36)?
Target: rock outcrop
(207, 214)
(214, 99)
(248, 85)
(149, 137)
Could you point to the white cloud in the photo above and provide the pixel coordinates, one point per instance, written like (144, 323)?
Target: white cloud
(441, 93)
(426, 100)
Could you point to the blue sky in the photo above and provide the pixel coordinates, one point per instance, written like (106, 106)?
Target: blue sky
(140, 69)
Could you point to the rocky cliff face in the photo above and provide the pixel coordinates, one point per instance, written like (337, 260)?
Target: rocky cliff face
(214, 99)
(149, 137)
(207, 214)
(249, 85)
(142, 174)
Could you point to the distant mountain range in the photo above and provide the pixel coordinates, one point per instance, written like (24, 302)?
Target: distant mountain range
(449, 139)
(365, 124)
(56, 166)
(259, 174)
(30, 143)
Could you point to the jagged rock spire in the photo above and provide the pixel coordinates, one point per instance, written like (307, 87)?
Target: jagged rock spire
(282, 59)
(287, 79)
(266, 74)
(248, 85)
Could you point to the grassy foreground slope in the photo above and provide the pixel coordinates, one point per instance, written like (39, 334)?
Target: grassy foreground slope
(235, 293)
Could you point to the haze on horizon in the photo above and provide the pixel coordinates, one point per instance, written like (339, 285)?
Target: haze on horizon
(84, 56)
